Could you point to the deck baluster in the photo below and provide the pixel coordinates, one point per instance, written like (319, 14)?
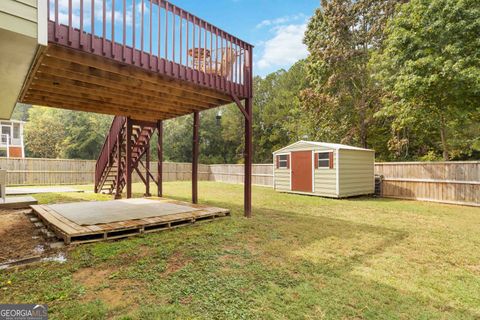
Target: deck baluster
(92, 22)
(56, 21)
(159, 53)
(104, 25)
(113, 30)
(166, 30)
(69, 21)
(133, 33)
(181, 37)
(124, 34)
(142, 32)
(81, 23)
(150, 35)
(173, 33)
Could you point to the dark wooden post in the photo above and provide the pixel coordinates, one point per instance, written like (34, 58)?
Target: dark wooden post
(248, 159)
(196, 125)
(160, 158)
(128, 155)
(147, 168)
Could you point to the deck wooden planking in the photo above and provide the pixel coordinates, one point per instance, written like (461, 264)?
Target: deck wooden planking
(71, 232)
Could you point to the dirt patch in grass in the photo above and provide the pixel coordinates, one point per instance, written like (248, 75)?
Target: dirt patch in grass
(19, 238)
(112, 297)
(176, 262)
(91, 278)
(100, 284)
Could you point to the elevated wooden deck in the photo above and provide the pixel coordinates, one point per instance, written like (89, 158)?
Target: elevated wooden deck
(143, 61)
(166, 64)
(71, 232)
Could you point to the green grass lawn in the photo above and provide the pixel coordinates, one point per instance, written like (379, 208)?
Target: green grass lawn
(299, 257)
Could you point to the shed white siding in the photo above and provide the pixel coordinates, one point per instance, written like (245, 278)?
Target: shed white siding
(324, 179)
(357, 173)
(282, 179)
(352, 173)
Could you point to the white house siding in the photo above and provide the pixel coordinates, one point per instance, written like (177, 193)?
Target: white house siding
(19, 16)
(356, 176)
(20, 35)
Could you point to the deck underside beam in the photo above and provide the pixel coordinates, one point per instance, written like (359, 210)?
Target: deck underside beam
(71, 79)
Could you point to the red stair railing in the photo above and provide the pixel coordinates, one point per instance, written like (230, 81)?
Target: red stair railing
(105, 157)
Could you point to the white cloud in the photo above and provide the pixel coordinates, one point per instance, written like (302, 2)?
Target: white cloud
(63, 9)
(284, 48)
(280, 21)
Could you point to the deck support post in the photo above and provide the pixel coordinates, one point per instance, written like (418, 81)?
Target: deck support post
(248, 158)
(195, 151)
(147, 168)
(247, 111)
(160, 158)
(118, 178)
(128, 162)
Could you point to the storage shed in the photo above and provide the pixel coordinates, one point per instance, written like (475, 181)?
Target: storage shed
(324, 169)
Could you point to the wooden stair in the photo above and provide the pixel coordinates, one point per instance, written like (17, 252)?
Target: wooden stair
(111, 168)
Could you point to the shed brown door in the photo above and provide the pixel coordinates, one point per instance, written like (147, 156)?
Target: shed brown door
(302, 171)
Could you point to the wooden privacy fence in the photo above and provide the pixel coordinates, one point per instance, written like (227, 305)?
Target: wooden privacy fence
(262, 174)
(447, 182)
(29, 171)
(32, 171)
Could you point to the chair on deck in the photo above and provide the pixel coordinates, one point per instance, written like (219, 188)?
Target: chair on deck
(209, 62)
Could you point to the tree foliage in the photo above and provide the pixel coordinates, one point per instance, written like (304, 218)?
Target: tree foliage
(342, 98)
(401, 77)
(57, 133)
(431, 68)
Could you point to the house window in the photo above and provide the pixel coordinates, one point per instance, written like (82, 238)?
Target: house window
(324, 160)
(283, 161)
(16, 131)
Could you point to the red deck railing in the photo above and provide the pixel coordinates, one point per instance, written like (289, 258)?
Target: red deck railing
(104, 159)
(155, 35)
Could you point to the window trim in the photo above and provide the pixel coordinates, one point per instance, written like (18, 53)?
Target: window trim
(324, 160)
(280, 161)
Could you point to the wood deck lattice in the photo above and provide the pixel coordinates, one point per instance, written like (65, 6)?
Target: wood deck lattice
(73, 233)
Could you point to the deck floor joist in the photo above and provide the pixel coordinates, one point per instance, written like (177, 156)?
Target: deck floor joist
(72, 232)
(71, 79)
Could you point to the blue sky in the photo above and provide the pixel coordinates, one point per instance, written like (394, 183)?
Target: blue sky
(274, 27)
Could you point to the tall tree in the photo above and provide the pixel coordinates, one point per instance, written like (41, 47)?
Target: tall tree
(44, 133)
(84, 134)
(57, 133)
(431, 67)
(277, 119)
(342, 98)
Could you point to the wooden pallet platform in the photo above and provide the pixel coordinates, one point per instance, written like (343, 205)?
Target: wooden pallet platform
(73, 233)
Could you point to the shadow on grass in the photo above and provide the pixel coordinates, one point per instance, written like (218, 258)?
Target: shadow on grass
(280, 264)
(296, 248)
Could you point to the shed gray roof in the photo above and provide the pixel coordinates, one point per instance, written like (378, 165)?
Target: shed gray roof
(334, 146)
